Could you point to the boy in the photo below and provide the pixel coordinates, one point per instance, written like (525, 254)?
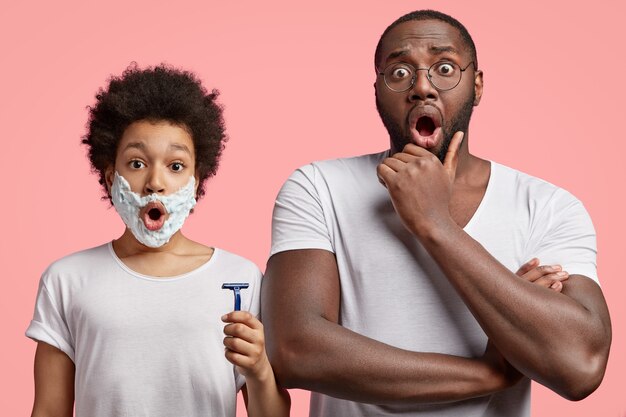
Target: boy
(132, 327)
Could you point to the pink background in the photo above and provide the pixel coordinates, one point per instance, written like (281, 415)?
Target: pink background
(296, 83)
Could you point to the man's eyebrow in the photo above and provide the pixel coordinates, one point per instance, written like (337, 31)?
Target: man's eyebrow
(435, 50)
(397, 54)
(438, 50)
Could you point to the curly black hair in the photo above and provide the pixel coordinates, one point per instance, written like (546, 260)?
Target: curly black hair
(160, 93)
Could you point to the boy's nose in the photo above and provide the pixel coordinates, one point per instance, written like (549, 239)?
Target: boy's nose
(154, 184)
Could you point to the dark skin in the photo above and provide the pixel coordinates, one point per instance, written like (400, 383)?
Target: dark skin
(555, 333)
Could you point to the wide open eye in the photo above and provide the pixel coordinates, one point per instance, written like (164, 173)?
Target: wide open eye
(399, 73)
(445, 69)
(177, 166)
(136, 164)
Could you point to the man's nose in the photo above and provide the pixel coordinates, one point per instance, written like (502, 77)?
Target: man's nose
(154, 182)
(422, 88)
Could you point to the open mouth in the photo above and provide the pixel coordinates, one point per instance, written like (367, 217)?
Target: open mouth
(425, 123)
(153, 215)
(425, 126)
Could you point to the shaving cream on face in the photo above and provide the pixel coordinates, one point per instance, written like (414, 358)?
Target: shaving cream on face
(128, 204)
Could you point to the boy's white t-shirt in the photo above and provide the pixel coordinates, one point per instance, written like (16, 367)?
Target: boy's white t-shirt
(144, 346)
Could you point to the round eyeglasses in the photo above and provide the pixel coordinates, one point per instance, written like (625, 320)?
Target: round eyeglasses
(443, 76)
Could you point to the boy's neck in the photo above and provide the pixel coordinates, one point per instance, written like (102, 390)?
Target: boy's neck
(127, 245)
(179, 256)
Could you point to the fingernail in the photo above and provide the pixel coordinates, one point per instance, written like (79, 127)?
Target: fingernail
(555, 285)
(224, 317)
(561, 274)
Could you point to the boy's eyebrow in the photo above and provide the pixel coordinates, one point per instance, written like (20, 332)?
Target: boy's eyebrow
(180, 147)
(175, 146)
(136, 145)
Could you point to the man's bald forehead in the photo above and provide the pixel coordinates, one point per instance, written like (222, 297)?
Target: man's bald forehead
(423, 15)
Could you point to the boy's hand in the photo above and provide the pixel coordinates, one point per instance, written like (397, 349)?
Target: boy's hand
(548, 276)
(245, 345)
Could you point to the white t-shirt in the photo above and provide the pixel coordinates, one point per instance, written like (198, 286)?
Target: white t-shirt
(144, 346)
(392, 290)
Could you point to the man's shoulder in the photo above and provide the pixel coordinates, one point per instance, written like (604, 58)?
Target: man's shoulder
(529, 186)
(338, 170)
(350, 163)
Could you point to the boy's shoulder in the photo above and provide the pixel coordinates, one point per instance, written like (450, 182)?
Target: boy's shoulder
(79, 261)
(231, 260)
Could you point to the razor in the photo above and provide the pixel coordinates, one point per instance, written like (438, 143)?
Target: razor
(236, 287)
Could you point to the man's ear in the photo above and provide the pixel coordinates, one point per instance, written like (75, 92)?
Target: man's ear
(478, 86)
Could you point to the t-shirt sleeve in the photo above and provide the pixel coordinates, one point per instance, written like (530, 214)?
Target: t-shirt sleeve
(298, 219)
(565, 236)
(49, 324)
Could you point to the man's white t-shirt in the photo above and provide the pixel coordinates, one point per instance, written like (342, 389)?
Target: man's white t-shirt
(392, 290)
(144, 346)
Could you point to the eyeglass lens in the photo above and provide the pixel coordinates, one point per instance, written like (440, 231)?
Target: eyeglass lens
(442, 75)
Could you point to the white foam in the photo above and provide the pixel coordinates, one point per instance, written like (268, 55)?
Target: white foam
(128, 205)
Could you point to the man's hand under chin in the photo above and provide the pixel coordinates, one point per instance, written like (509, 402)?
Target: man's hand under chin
(420, 186)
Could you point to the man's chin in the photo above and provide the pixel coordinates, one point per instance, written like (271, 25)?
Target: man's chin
(438, 149)
(443, 148)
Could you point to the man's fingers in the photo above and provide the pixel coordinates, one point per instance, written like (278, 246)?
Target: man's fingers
(414, 150)
(543, 270)
(527, 267)
(452, 156)
(384, 173)
(394, 163)
(547, 276)
(551, 282)
(405, 157)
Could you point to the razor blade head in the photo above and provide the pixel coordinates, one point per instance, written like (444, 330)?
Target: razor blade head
(233, 285)
(236, 287)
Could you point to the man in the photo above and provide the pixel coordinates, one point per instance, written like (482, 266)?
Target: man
(389, 290)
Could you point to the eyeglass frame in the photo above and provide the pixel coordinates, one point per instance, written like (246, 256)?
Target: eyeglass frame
(428, 76)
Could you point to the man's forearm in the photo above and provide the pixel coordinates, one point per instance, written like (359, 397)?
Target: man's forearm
(336, 361)
(550, 337)
(309, 349)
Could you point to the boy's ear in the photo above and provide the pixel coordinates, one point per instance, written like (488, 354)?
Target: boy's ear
(108, 177)
(197, 178)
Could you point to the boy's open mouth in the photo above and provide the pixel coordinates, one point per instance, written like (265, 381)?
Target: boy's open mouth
(153, 215)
